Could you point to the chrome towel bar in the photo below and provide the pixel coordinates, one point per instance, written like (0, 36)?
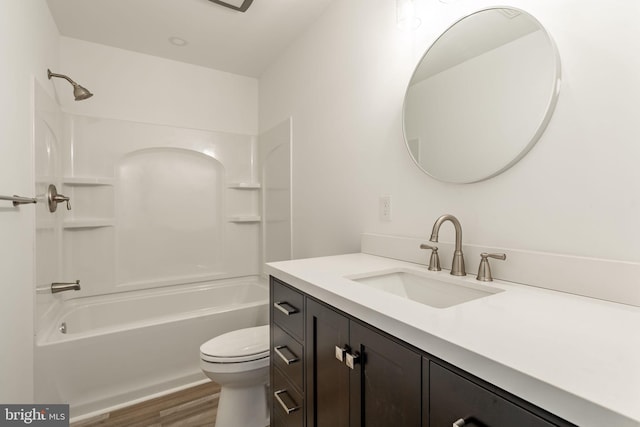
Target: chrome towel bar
(17, 200)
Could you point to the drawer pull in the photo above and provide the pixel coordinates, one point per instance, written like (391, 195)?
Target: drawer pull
(287, 359)
(285, 308)
(340, 352)
(460, 423)
(288, 409)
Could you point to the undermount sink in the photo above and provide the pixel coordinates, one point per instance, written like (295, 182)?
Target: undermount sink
(433, 289)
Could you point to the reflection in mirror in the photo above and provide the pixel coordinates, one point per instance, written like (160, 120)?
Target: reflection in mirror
(481, 96)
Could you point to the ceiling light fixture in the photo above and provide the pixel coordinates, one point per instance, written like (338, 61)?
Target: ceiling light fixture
(239, 5)
(406, 18)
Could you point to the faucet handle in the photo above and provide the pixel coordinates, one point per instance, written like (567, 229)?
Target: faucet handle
(484, 270)
(434, 260)
(53, 198)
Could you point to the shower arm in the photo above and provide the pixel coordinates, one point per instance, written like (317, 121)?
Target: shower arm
(62, 76)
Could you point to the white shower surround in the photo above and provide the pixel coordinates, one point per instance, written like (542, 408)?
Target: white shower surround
(157, 205)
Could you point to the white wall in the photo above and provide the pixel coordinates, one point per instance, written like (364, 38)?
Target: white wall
(274, 147)
(143, 88)
(28, 45)
(576, 192)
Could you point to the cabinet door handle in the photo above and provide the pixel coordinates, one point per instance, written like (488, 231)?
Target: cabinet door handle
(460, 423)
(287, 408)
(285, 308)
(287, 359)
(340, 352)
(352, 359)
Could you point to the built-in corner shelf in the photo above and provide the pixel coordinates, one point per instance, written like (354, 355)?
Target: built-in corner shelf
(244, 185)
(244, 218)
(88, 181)
(84, 223)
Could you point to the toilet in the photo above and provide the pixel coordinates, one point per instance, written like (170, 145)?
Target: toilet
(239, 362)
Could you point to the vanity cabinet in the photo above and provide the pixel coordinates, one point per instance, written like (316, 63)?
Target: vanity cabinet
(329, 369)
(357, 376)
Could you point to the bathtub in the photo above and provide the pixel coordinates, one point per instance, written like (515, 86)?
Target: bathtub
(125, 347)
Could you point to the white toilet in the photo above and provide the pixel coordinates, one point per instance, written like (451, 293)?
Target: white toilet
(239, 362)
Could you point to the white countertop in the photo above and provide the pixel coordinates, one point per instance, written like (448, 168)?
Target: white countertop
(576, 357)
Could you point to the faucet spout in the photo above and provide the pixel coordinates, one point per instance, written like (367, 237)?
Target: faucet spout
(61, 287)
(457, 267)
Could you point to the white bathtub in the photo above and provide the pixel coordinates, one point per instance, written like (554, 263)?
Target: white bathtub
(123, 347)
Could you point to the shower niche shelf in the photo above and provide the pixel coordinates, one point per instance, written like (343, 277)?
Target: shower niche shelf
(244, 185)
(87, 181)
(244, 218)
(84, 223)
(243, 201)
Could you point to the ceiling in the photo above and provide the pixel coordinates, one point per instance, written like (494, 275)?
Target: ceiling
(217, 37)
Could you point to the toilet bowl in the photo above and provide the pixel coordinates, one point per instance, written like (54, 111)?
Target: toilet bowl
(239, 362)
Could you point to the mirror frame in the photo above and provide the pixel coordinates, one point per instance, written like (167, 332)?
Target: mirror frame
(542, 125)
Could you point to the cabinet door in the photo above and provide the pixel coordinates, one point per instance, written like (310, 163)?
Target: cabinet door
(386, 385)
(454, 398)
(327, 392)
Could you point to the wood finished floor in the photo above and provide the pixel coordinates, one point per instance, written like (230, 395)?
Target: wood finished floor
(193, 407)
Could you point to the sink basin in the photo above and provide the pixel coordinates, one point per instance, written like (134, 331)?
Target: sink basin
(433, 289)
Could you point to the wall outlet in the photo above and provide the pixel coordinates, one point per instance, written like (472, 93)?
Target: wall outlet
(385, 208)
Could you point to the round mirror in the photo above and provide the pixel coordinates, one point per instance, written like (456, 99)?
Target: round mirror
(481, 96)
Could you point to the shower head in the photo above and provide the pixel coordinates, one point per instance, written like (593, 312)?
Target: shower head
(79, 92)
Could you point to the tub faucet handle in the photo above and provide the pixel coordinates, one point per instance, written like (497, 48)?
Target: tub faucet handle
(484, 270)
(53, 198)
(434, 260)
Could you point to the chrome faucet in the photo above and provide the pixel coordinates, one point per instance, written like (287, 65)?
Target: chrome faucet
(457, 267)
(61, 287)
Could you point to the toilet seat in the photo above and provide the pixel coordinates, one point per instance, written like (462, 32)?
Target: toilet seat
(242, 345)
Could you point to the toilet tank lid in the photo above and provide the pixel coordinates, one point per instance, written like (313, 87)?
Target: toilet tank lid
(238, 343)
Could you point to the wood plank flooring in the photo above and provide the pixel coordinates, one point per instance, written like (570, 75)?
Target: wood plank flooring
(193, 407)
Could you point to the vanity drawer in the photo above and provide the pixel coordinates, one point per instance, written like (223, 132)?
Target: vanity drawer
(454, 398)
(288, 309)
(287, 354)
(287, 403)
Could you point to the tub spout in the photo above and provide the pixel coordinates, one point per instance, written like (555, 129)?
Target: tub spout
(61, 287)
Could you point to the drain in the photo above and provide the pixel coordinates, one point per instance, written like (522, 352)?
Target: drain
(63, 327)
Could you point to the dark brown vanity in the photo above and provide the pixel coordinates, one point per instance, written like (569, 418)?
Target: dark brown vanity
(329, 369)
